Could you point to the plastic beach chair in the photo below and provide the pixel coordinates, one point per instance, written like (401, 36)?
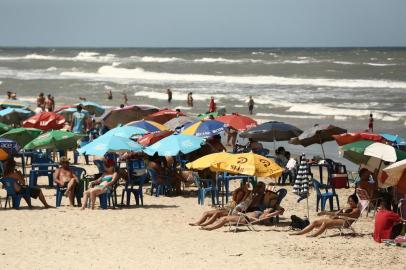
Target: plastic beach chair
(135, 181)
(323, 197)
(159, 188)
(203, 190)
(8, 184)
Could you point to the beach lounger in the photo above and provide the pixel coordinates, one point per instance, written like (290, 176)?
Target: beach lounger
(364, 196)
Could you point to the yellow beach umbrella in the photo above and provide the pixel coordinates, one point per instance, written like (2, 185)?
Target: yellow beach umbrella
(250, 164)
(3, 155)
(209, 161)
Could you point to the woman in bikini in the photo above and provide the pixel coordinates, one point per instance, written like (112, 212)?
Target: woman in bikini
(65, 178)
(344, 217)
(20, 185)
(209, 217)
(102, 185)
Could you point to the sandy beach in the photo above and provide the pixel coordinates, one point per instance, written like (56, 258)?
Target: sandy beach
(158, 236)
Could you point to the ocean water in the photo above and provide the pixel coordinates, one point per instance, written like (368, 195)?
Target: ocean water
(299, 86)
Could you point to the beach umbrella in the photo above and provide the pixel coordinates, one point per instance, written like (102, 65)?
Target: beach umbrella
(272, 131)
(55, 140)
(395, 139)
(208, 115)
(318, 134)
(126, 131)
(93, 108)
(45, 121)
(205, 128)
(63, 107)
(110, 143)
(14, 115)
(346, 138)
(250, 164)
(163, 116)
(153, 137)
(209, 161)
(127, 114)
(181, 122)
(10, 146)
(396, 176)
(13, 103)
(4, 128)
(22, 135)
(3, 155)
(237, 121)
(302, 181)
(149, 126)
(174, 145)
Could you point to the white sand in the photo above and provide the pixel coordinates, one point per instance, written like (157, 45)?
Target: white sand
(157, 236)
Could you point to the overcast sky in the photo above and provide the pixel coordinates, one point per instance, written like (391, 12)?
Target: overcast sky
(205, 23)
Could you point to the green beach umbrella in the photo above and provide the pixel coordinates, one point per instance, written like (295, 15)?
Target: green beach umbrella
(4, 128)
(22, 135)
(207, 115)
(55, 140)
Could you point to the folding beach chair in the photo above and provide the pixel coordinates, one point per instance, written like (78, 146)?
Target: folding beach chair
(363, 204)
(364, 196)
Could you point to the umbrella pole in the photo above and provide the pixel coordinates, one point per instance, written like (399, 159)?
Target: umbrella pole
(307, 205)
(322, 149)
(274, 143)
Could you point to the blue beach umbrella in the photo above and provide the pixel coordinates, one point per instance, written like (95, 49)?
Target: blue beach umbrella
(205, 128)
(394, 139)
(93, 108)
(10, 146)
(14, 115)
(126, 131)
(174, 145)
(109, 143)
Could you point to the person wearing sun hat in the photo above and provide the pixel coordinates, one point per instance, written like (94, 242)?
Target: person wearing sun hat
(65, 178)
(102, 185)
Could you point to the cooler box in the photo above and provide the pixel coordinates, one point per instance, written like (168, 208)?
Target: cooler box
(339, 180)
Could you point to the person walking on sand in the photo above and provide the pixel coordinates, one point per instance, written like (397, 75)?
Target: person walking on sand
(79, 121)
(251, 104)
(371, 123)
(169, 93)
(212, 105)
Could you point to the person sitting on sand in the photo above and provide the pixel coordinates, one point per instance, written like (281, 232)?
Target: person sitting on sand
(65, 178)
(209, 217)
(342, 218)
(20, 185)
(102, 185)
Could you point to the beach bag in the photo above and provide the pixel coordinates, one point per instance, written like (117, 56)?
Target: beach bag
(298, 223)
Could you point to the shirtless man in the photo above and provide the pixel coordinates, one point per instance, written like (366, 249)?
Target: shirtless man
(64, 177)
(41, 101)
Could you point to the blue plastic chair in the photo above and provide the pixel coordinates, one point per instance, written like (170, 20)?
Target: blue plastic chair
(36, 171)
(203, 190)
(323, 197)
(99, 164)
(135, 181)
(106, 199)
(8, 184)
(160, 189)
(80, 173)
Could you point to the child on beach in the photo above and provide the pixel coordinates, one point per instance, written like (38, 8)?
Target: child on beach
(370, 123)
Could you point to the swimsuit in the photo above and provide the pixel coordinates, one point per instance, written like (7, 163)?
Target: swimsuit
(108, 179)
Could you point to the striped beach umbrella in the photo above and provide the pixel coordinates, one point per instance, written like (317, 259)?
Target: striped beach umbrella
(205, 128)
(149, 126)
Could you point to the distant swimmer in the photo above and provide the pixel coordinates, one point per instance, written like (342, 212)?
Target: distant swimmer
(11, 95)
(212, 105)
(251, 104)
(371, 123)
(190, 99)
(82, 98)
(109, 95)
(169, 93)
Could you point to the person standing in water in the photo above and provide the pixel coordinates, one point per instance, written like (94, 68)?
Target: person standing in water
(49, 103)
(190, 99)
(212, 105)
(110, 95)
(371, 123)
(41, 101)
(251, 104)
(169, 93)
(125, 98)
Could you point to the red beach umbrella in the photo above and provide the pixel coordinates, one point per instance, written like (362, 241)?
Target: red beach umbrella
(238, 121)
(347, 138)
(45, 121)
(63, 107)
(154, 137)
(163, 116)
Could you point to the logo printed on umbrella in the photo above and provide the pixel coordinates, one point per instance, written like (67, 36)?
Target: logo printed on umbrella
(242, 160)
(265, 162)
(187, 143)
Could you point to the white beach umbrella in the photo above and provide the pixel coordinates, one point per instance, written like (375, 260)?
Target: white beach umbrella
(382, 151)
(396, 172)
